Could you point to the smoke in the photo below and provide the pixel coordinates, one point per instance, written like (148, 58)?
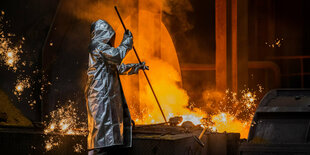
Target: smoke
(155, 47)
(92, 10)
(179, 10)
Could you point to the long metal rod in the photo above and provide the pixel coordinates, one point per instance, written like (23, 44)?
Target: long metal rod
(161, 110)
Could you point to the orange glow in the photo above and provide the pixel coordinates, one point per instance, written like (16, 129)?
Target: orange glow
(224, 122)
(229, 112)
(157, 50)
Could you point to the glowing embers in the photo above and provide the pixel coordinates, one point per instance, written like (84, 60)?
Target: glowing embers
(276, 43)
(221, 111)
(78, 148)
(231, 112)
(50, 143)
(11, 59)
(21, 84)
(9, 52)
(64, 121)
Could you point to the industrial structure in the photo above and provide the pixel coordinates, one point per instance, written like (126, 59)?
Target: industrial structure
(242, 66)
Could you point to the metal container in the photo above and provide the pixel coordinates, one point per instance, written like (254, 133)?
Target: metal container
(281, 124)
(166, 140)
(176, 140)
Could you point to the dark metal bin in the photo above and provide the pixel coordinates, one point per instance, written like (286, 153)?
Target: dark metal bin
(281, 124)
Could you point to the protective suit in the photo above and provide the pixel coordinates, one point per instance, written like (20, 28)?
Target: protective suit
(109, 121)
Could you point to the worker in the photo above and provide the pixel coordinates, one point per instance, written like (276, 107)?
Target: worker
(109, 121)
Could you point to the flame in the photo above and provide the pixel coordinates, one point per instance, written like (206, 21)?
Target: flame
(225, 111)
(195, 118)
(225, 122)
(229, 112)
(164, 74)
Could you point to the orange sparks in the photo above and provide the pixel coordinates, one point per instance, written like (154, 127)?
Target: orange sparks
(9, 53)
(64, 127)
(249, 94)
(78, 148)
(50, 143)
(48, 146)
(19, 87)
(21, 84)
(276, 43)
(65, 121)
(251, 99)
(10, 62)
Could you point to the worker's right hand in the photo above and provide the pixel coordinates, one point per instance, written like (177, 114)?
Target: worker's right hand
(127, 40)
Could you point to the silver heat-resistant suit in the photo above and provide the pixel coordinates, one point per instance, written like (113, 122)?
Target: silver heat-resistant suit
(109, 121)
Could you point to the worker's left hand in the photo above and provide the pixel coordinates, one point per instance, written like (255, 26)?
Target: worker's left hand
(143, 66)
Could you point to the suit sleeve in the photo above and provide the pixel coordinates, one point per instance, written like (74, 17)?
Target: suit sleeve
(115, 55)
(128, 69)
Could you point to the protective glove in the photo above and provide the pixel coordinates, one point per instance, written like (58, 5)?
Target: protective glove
(127, 40)
(128, 33)
(143, 66)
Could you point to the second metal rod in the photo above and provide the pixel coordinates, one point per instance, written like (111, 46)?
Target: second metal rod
(161, 110)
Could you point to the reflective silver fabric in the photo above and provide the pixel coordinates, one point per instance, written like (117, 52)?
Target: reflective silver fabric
(109, 121)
